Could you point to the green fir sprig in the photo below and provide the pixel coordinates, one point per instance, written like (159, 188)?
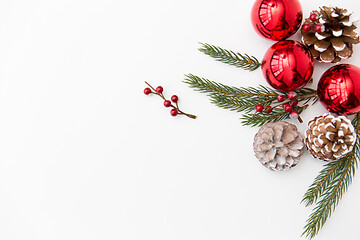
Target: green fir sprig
(329, 187)
(245, 100)
(277, 114)
(236, 59)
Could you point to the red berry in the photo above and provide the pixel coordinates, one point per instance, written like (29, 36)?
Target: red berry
(280, 98)
(314, 17)
(294, 102)
(259, 108)
(159, 89)
(268, 109)
(292, 95)
(284, 105)
(173, 112)
(306, 27)
(167, 103)
(174, 98)
(294, 114)
(147, 91)
(319, 28)
(288, 108)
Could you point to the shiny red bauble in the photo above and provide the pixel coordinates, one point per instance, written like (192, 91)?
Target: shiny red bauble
(339, 89)
(287, 65)
(276, 19)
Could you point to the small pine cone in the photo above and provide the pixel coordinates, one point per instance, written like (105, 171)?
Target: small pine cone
(335, 42)
(330, 138)
(278, 145)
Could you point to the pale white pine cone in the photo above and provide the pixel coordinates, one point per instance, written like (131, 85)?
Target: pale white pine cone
(278, 145)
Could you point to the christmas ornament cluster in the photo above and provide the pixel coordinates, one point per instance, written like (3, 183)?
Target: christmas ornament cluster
(328, 35)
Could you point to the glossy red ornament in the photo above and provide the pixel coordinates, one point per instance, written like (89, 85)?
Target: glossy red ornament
(287, 65)
(276, 19)
(339, 89)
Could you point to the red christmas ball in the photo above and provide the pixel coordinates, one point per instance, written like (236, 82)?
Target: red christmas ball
(287, 65)
(276, 19)
(339, 89)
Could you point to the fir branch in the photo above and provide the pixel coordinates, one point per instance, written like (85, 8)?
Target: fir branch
(232, 98)
(321, 183)
(245, 99)
(263, 118)
(243, 61)
(329, 187)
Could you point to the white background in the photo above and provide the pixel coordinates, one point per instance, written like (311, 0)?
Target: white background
(84, 154)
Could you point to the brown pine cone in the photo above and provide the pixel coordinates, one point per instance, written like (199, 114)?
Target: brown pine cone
(278, 145)
(330, 138)
(335, 37)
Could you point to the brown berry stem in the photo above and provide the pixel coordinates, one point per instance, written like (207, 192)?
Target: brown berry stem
(176, 104)
(300, 119)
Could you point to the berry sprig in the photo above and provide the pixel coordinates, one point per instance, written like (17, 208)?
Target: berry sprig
(319, 27)
(287, 103)
(167, 103)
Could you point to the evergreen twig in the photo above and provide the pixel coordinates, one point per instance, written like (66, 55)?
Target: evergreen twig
(329, 187)
(243, 61)
(245, 99)
(263, 118)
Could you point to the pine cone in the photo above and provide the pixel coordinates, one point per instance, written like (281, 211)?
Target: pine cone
(278, 145)
(330, 138)
(334, 37)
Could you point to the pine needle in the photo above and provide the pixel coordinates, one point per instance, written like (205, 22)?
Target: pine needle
(263, 118)
(329, 187)
(244, 100)
(243, 61)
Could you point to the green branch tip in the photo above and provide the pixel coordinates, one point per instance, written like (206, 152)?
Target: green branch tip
(244, 100)
(236, 59)
(329, 186)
